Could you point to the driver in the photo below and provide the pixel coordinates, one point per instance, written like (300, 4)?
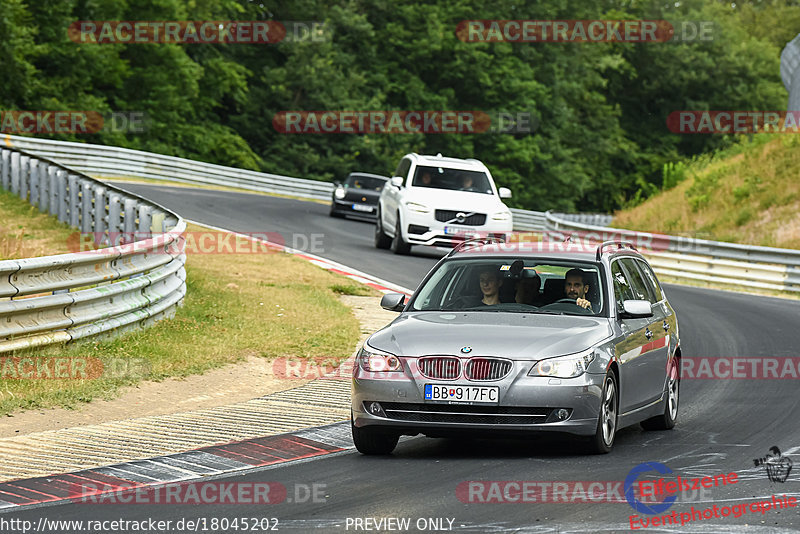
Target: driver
(575, 287)
(490, 286)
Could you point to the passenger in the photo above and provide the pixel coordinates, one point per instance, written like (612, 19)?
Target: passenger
(490, 286)
(425, 179)
(466, 183)
(575, 287)
(527, 291)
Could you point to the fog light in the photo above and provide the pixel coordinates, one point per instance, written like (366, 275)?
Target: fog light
(562, 414)
(375, 409)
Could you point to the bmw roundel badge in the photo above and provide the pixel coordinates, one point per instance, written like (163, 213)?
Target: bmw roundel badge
(466, 350)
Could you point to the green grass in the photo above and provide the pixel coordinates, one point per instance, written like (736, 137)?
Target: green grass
(748, 193)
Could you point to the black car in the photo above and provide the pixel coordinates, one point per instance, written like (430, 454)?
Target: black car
(357, 195)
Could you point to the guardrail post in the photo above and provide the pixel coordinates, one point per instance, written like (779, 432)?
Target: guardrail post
(145, 216)
(34, 166)
(44, 187)
(63, 201)
(5, 168)
(100, 215)
(15, 172)
(24, 177)
(74, 201)
(52, 189)
(114, 220)
(129, 219)
(86, 207)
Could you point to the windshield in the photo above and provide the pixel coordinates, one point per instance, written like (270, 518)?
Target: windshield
(452, 179)
(513, 285)
(364, 182)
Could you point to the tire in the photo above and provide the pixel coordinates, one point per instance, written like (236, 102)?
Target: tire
(603, 439)
(373, 441)
(335, 214)
(381, 239)
(399, 246)
(667, 420)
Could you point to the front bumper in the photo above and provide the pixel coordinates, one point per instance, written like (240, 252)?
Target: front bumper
(526, 404)
(424, 229)
(348, 207)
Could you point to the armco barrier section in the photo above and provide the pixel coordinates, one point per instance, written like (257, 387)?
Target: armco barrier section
(745, 266)
(136, 278)
(109, 161)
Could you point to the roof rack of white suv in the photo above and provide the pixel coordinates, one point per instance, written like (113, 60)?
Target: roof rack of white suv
(620, 245)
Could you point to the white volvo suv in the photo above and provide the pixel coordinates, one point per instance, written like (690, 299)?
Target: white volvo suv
(439, 201)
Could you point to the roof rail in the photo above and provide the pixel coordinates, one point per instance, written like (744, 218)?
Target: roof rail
(475, 241)
(620, 245)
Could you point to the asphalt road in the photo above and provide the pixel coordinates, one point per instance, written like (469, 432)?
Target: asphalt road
(723, 424)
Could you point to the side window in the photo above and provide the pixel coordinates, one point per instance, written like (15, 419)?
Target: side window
(652, 281)
(638, 285)
(622, 289)
(402, 169)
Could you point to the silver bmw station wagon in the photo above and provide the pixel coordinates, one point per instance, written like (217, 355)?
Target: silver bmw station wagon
(515, 338)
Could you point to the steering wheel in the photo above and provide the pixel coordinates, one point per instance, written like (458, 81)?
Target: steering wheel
(457, 302)
(566, 301)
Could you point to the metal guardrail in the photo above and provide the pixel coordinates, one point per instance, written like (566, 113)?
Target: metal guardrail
(109, 161)
(127, 284)
(745, 266)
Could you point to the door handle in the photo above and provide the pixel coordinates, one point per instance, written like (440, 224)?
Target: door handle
(666, 325)
(648, 334)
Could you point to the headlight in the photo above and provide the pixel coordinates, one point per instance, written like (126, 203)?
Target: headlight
(563, 366)
(339, 193)
(501, 216)
(421, 208)
(378, 362)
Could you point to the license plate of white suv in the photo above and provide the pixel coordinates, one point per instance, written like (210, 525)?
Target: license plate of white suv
(459, 230)
(455, 393)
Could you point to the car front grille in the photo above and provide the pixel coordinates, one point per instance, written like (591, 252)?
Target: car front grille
(471, 219)
(439, 367)
(487, 369)
(457, 413)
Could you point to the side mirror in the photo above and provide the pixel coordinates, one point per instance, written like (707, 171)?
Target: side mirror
(635, 309)
(397, 181)
(337, 183)
(504, 192)
(393, 302)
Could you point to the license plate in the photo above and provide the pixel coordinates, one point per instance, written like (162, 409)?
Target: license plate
(362, 207)
(459, 230)
(462, 394)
